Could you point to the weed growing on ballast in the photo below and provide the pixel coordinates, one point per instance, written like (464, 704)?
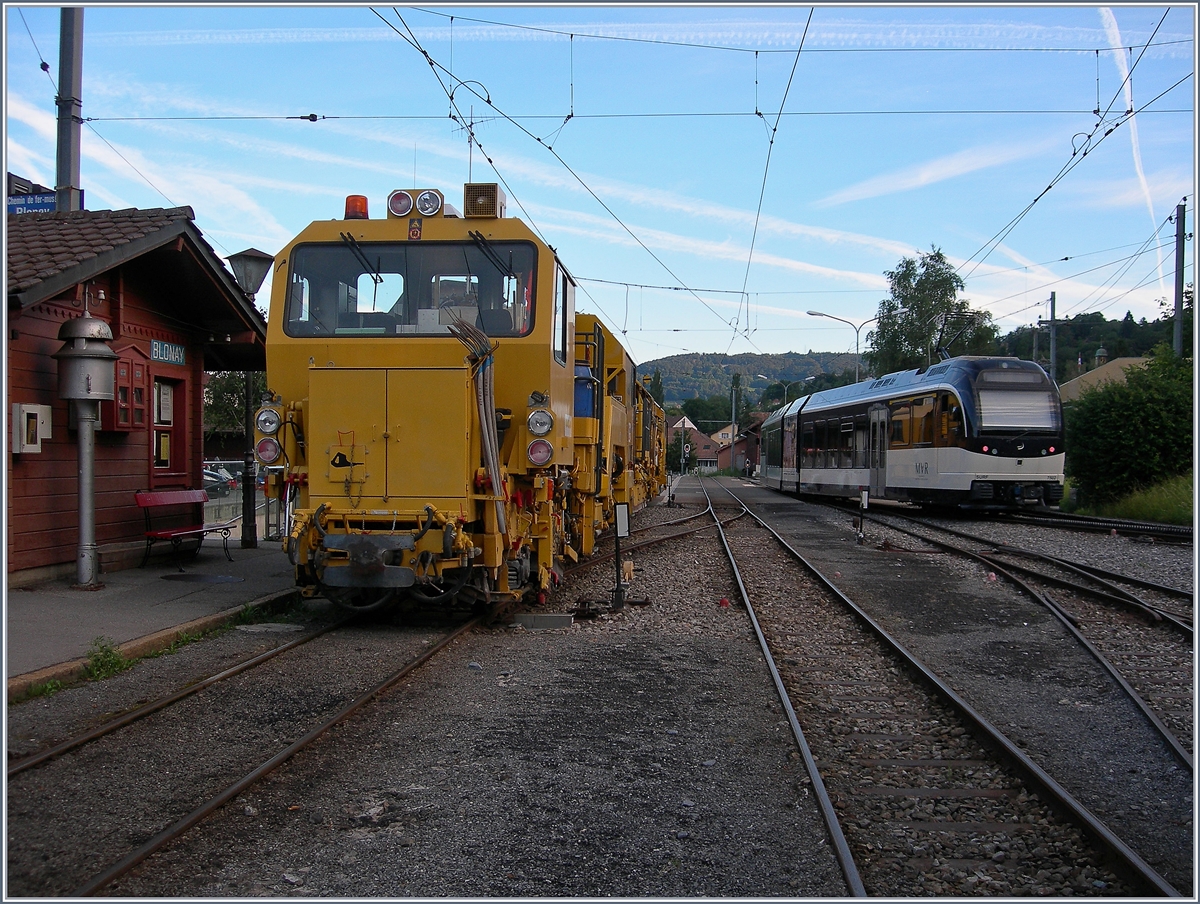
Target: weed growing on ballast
(104, 660)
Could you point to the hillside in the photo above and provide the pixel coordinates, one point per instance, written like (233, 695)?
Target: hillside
(700, 375)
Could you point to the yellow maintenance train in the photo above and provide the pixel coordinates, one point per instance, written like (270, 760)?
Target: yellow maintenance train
(441, 426)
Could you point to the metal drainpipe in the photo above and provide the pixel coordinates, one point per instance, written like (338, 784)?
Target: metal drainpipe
(249, 515)
(87, 413)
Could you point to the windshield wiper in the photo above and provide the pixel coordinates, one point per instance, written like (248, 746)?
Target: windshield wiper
(356, 248)
(490, 253)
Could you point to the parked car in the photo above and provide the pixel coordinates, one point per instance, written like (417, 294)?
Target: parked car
(216, 484)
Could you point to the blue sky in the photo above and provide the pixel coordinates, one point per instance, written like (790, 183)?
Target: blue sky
(902, 128)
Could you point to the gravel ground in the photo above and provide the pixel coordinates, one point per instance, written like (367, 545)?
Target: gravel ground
(1172, 564)
(636, 753)
(1014, 663)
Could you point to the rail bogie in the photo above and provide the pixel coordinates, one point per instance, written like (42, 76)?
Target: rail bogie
(422, 422)
(973, 432)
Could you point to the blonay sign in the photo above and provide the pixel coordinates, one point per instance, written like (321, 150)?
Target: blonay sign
(31, 203)
(167, 352)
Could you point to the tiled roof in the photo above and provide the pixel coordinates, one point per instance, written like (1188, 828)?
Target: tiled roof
(43, 245)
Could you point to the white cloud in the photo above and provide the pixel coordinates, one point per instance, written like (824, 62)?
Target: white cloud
(608, 231)
(951, 166)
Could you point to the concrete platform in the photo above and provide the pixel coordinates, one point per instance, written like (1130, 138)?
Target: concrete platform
(49, 627)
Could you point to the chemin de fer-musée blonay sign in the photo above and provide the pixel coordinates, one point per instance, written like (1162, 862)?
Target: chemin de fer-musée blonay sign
(167, 352)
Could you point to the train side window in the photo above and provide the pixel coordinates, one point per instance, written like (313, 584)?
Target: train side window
(901, 415)
(808, 443)
(949, 419)
(563, 295)
(860, 442)
(846, 444)
(922, 421)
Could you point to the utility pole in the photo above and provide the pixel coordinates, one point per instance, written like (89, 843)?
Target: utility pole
(70, 105)
(1180, 213)
(1053, 340)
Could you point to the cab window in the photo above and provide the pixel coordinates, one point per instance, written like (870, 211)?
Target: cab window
(410, 288)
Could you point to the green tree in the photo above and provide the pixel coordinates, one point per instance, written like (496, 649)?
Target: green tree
(1121, 437)
(225, 401)
(656, 387)
(923, 313)
(708, 414)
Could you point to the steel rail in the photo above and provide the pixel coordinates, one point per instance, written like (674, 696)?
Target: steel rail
(1099, 575)
(1072, 626)
(1088, 522)
(841, 847)
(154, 706)
(598, 558)
(1118, 595)
(121, 867)
(1032, 770)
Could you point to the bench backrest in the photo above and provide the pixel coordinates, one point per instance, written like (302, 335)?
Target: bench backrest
(154, 498)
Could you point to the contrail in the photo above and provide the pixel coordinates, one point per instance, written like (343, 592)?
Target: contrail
(1114, 41)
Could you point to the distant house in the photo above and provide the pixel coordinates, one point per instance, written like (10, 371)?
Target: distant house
(724, 435)
(1105, 372)
(742, 455)
(175, 312)
(701, 449)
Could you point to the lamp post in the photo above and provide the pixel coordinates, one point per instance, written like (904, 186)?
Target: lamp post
(786, 386)
(857, 327)
(249, 269)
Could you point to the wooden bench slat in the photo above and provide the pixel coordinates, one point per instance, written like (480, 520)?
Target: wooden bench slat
(149, 500)
(155, 498)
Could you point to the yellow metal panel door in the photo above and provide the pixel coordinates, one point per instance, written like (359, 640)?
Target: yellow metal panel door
(346, 422)
(431, 454)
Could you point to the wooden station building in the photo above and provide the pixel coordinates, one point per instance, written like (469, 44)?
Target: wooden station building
(175, 312)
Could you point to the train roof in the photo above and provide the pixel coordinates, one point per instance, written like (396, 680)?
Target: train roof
(952, 372)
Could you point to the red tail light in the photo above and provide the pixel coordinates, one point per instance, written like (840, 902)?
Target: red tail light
(356, 207)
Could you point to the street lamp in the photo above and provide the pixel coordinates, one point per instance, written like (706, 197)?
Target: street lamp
(786, 386)
(857, 327)
(250, 268)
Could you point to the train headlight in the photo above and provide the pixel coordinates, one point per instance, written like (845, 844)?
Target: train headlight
(399, 203)
(268, 421)
(268, 450)
(539, 452)
(429, 203)
(540, 422)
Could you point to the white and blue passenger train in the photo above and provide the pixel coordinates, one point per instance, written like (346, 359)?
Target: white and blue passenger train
(970, 431)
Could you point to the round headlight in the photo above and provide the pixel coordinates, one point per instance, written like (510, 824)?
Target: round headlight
(540, 422)
(429, 203)
(539, 452)
(268, 421)
(399, 203)
(267, 450)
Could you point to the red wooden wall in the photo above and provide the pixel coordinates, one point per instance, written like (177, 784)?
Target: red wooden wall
(43, 487)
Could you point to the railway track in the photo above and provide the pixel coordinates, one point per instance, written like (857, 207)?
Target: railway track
(1116, 526)
(1141, 631)
(933, 798)
(250, 727)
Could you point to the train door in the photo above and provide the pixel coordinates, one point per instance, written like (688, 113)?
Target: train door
(878, 432)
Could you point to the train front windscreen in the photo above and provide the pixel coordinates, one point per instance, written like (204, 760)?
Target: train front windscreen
(1022, 400)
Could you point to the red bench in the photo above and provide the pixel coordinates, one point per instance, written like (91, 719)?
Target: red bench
(150, 500)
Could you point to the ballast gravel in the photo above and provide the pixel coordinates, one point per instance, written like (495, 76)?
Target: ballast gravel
(634, 753)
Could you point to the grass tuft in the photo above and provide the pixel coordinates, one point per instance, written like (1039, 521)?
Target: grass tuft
(104, 660)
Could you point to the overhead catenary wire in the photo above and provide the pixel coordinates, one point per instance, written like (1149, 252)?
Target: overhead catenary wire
(514, 117)
(762, 193)
(410, 39)
(45, 67)
(1077, 155)
(731, 49)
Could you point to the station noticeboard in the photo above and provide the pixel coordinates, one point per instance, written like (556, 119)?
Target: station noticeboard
(31, 203)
